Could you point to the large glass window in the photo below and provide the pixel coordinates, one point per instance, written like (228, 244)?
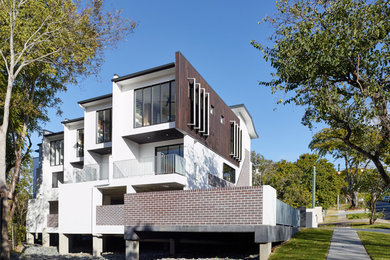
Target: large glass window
(155, 104)
(229, 173)
(103, 128)
(170, 149)
(57, 177)
(80, 143)
(57, 152)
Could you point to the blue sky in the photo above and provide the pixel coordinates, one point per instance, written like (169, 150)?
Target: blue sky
(215, 37)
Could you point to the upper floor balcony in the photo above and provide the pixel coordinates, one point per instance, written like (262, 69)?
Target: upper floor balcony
(162, 164)
(91, 172)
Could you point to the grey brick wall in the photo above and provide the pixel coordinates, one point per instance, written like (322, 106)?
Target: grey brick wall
(223, 206)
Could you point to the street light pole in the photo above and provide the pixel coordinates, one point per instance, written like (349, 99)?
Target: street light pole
(313, 196)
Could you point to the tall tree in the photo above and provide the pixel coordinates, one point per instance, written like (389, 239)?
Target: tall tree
(262, 169)
(333, 58)
(65, 39)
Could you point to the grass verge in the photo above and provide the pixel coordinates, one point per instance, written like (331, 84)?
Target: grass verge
(306, 244)
(365, 225)
(376, 244)
(357, 216)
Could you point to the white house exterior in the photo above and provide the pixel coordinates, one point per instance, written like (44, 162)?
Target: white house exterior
(160, 129)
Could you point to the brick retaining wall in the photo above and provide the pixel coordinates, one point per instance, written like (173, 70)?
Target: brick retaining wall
(222, 206)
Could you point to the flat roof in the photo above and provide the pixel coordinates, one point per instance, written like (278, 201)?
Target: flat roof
(53, 134)
(144, 72)
(67, 121)
(248, 119)
(94, 99)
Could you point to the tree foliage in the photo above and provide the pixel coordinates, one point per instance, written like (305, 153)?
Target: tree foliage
(293, 180)
(327, 142)
(333, 58)
(375, 188)
(45, 44)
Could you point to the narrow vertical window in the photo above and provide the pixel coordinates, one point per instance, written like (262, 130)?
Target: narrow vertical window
(138, 108)
(197, 99)
(172, 113)
(57, 152)
(103, 126)
(165, 102)
(232, 138)
(192, 107)
(202, 104)
(57, 177)
(156, 93)
(80, 143)
(147, 106)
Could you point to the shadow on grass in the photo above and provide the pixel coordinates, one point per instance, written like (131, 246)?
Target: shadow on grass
(306, 244)
(376, 244)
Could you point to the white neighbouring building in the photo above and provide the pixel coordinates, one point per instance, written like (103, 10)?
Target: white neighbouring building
(160, 129)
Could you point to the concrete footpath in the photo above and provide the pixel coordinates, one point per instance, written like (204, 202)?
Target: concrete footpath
(346, 244)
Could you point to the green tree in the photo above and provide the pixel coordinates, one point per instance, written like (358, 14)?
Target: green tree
(333, 58)
(293, 181)
(262, 169)
(19, 204)
(375, 188)
(61, 40)
(328, 141)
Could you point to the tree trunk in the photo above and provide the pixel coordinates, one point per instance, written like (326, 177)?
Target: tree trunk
(5, 247)
(354, 199)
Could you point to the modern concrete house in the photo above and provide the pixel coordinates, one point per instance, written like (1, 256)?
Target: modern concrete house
(160, 157)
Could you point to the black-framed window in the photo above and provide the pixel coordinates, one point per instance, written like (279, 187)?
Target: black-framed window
(229, 174)
(57, 152)
(155, 104)
(80, 143)
(231, 138)
(57, 177)
(170, 149)
(53, 207)
(103, 125)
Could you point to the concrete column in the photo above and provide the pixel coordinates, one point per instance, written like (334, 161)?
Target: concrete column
(172, 247)
(265, 251)
(29, 238)
(63, 244)
(132, 250)
(45, 238)
(97, 244)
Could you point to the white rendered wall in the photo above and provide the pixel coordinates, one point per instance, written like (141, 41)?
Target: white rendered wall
(269, 205)
(123, 115)
(77, 207)
(90, 132)
(70, 148)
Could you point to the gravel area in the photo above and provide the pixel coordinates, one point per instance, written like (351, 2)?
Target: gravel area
(38, 252)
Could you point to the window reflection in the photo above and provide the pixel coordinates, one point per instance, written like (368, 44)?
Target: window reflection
(155, 104)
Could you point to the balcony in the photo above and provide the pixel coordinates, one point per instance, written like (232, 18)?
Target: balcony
(156, 165)
(91, 172)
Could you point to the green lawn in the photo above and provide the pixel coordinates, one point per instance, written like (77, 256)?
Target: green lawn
(357, 216)
(365, 225)
(306, 244)
(376, 244)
